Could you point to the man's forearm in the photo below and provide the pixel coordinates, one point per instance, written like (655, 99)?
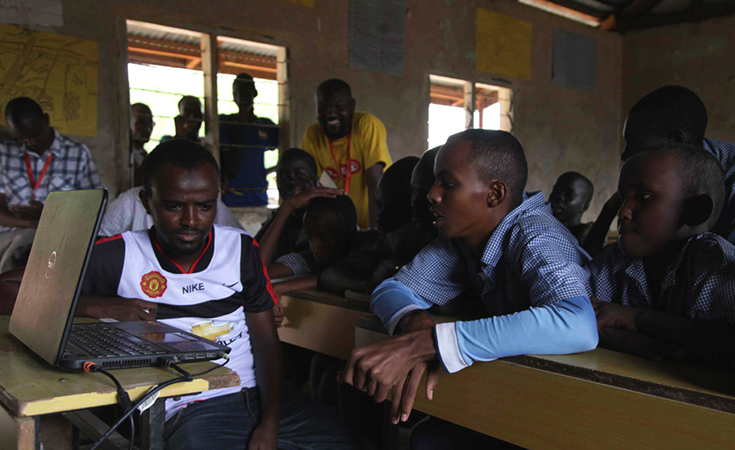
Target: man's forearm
(392, 300)
(568, 326)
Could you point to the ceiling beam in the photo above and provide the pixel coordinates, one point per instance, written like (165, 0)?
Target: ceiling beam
(572, 7)
(636, 8)
(704, 11)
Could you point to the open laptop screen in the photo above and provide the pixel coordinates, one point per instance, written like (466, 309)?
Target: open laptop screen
(53, 277)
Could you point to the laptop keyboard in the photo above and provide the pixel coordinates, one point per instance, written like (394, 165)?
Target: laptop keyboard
(103, 341)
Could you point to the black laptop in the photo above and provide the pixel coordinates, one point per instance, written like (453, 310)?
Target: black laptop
(44, 311)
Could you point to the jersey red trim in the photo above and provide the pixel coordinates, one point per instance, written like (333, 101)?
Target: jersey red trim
(271, 291)
(108, 239)
(193, 266)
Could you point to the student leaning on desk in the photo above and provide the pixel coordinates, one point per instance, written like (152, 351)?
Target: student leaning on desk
(201, 277)
(499, 244)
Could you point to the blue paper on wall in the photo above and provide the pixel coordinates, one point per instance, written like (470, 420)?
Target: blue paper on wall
(575, 60)
(377, 30)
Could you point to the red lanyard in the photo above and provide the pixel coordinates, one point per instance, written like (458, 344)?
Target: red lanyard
(348, 175)
(35, 184)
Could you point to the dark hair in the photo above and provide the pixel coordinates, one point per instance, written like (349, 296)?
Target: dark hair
(673, 107)
(188, 98)
(497, 155)
(397, 177)
(341, 205)
(23, 108)
(298, 154)
(578, 176)
(699, 170)
(181, 153)
(245, 80)
(334, 84)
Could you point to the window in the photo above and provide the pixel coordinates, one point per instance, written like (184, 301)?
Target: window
(166, 63)
(456, 105)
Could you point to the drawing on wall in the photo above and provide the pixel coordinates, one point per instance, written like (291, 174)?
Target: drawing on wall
(503, 45)
(377, 29)
(59, 72)
(32, 12)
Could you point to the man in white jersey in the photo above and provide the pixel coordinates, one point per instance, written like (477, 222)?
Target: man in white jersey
(209, 280)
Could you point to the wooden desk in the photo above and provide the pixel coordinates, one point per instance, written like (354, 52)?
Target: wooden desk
(321, 322)
(30, 387)
(599, 399)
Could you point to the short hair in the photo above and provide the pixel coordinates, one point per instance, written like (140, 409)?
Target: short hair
(673, 107)
(398, 177)
(583, 179)
(340, 205)
(699, 170)
(298, 154)
(334, 84)
(497, 155)
(23, 108)
(245, 80)
(188, 98)
(181, 153)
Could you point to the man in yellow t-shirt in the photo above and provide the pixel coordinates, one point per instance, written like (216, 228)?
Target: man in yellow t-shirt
(341, 134)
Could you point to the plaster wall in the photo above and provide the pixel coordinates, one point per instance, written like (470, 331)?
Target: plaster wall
(698, 56)
(561, 128)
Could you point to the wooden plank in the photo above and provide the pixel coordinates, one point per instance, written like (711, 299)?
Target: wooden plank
(21, 433)
(211, 115)
(539, 409)
(319, 325)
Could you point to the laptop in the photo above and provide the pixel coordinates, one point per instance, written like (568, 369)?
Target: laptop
(44, 310)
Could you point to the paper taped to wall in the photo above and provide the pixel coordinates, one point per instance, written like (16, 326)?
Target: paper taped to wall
(503, 45)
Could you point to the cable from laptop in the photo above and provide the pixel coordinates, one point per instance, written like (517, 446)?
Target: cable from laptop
(122, 395)
(186, 376)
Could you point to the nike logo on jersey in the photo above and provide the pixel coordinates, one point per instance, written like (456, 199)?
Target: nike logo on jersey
(192, 288)
(229, 285)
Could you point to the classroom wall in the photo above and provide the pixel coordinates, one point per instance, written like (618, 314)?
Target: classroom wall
(698, 56)
(562, 128)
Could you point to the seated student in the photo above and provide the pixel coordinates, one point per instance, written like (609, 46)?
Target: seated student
(331, 226)
(671, 114)
(127, 213)
(393, 195)
(500, 245)
(295, 173)
(569, 199)
(181, 185)
(38, 161)
(666, 262)
(366, 268)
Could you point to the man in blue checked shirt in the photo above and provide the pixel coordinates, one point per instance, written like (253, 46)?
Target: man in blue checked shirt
(38, 161)
(500, 247)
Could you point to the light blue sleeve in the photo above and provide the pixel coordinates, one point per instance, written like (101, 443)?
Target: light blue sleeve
(568, 326)
(392, 300)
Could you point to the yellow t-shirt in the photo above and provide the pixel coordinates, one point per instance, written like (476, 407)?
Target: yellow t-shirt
(368, 148)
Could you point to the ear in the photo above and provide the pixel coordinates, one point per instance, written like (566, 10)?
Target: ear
(46, 119)
(586, 206)
(352, 105)
(143, 196)
(676, 136)
(498, 192)
(697, 210)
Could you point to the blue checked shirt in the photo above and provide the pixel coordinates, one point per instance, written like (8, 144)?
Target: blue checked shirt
(699, 282)
(71, 169)
(531, 261)
(725, 153)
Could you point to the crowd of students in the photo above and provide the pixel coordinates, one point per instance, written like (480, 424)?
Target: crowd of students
(453, 232)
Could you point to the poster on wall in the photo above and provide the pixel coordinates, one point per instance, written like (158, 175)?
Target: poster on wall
(377, 29)
(47, 13)
(575, 60)
(503, 45)
(59, 72)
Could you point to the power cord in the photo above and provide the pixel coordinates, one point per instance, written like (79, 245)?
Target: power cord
(186, 376)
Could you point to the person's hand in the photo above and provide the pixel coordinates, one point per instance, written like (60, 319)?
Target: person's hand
(264, 437)
(641, 345)
(613, 315)
(32, 211)
(386, 367)
(278, 315)
(302, 198)
(122, 309)
(384, 270)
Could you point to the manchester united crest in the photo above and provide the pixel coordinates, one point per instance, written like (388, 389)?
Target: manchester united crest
(153, 284)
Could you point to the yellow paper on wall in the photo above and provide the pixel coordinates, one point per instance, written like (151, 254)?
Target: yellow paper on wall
(503, 45)
(57, 71)
(309, 3)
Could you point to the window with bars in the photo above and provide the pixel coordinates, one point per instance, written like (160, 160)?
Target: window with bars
(167, 63)
(456, 105)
